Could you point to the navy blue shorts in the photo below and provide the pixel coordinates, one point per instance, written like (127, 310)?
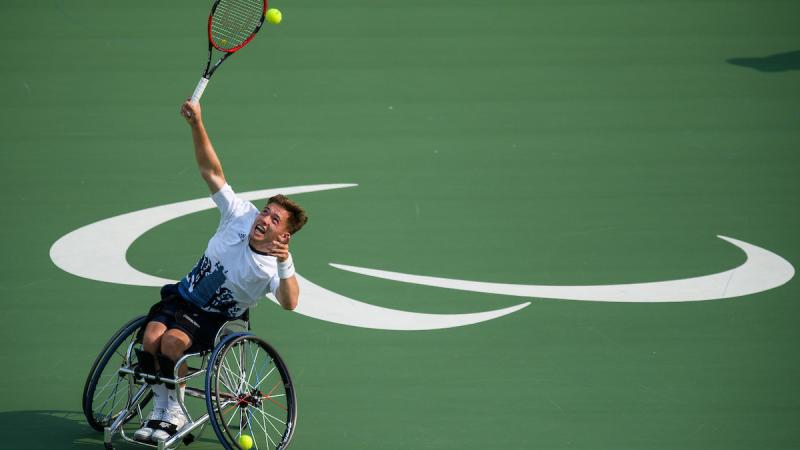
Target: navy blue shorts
(177, 313)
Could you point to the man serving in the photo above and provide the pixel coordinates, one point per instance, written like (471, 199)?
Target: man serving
(246, 258)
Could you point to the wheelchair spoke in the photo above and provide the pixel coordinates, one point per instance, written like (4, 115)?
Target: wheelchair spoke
(250, 353)
(250, 428)
(222, 413)
(268, 416)
(253, 394)
(105, 386)
(112, 396)
(272, 399)
(263, 428)
(261, 368)
(240, 382)
(269, 419)
(250, 420)
(222, 379)
(236, 351)
(238, 376)
(113, 381)
(225, 377)
(237, 386)
(107, 390)
(265, 377)
(257, 368)
(233, 416)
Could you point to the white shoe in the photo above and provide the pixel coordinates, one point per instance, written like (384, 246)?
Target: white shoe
(144, 433)
(172, 420)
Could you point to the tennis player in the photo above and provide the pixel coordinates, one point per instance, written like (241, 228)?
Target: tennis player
(246, 258)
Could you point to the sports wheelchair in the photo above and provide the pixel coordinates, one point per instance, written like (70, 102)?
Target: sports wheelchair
(241, 387)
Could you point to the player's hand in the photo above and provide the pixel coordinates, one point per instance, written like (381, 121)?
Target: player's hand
(191, 112)
(280, 248)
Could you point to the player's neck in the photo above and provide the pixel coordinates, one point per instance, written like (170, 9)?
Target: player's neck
(258, 247)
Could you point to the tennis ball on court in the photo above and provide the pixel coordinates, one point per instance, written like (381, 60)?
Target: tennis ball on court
(274, 16)
(245, 441)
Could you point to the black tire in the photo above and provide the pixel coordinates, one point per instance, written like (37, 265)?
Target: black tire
(100, 405)
(249, 391)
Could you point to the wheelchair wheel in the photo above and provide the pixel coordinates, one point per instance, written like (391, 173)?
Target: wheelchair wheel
(249, 392)
(106, 392)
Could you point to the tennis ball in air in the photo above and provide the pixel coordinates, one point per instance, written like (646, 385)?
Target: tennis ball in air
(274, 16)
(245, 441)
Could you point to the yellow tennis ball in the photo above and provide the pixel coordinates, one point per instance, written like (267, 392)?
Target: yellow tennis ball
(274, 16)
(245, 441)
(224, 42)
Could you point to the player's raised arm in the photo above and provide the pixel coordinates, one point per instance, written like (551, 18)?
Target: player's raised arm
(207, 161)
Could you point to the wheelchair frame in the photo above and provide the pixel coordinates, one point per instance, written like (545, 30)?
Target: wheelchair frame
(228, 386)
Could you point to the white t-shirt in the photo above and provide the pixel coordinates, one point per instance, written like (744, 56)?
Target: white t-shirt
(230, 277)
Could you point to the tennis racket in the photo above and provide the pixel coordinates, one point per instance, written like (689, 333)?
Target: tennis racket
(231, 25)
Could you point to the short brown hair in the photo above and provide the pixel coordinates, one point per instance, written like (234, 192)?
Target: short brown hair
(297, 215)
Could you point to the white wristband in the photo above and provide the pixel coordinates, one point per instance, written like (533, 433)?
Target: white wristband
(286, 268)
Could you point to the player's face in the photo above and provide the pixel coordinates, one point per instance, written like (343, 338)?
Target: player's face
(271, 224)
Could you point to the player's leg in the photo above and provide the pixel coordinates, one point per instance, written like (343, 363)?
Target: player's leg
(192, 330)
(174, 344)
(151, 343)
(151, 340)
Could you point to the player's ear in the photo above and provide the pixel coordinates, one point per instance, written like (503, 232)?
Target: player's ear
(286, 236)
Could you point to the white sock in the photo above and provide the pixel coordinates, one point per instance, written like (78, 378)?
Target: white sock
(173, 400)
(161, 397)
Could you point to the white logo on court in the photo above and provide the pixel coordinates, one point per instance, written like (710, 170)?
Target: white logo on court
(82, 253)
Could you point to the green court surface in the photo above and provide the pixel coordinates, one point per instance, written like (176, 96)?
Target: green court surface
(533, 142)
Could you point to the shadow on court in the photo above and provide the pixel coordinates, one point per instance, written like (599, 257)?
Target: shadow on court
(56, 430)
(47, 430)
(779, 62)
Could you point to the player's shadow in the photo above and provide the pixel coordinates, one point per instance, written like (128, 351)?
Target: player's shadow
(47, 430)
(63, 430)
(779, 62)
(51, 430)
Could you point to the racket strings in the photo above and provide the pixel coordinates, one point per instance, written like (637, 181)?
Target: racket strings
(234, 21)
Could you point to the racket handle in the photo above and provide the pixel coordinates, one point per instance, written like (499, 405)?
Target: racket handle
(198, 91)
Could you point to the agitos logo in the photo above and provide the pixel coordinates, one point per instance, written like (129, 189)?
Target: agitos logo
(82, 253)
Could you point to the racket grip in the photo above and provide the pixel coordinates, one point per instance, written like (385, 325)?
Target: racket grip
(198, 91)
